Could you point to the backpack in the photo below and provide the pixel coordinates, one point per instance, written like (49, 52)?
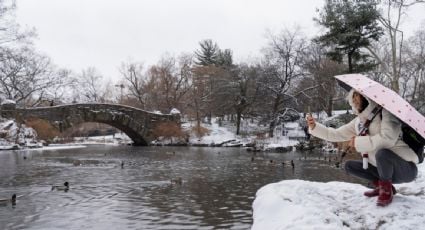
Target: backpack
(415, 141)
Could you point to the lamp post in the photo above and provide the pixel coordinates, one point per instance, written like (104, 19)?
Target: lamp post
(121, 86)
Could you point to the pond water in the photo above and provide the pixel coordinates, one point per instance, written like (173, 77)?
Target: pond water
(217, 190)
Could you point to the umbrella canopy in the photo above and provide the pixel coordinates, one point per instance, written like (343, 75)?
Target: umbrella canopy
(387, 98)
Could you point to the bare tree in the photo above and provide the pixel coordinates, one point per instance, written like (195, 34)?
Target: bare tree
(59, 92)
(322, 71)
(245, 90)
(172, 78)
(26, 76)
(91, 85)
(185, 81)
(10, 32)
(201, 91)
(134, 76)
(391, 16)
(413, 70)
(282, 65)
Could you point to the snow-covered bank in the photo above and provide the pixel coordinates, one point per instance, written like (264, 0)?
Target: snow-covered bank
(116, 139)
(217, 133)
(297, 204)
(60, 146)
(14, 136)
(224, 135)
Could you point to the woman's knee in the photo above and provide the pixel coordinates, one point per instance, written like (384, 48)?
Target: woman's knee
(407, 176)
(382, 155)
(351, 166)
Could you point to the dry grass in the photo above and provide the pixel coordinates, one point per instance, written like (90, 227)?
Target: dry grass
(168, 129)
(44, 129)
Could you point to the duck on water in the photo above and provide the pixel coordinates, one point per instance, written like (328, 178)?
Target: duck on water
(64, 187)
(5, 201)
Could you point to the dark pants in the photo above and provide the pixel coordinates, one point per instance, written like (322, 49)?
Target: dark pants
(389, 167)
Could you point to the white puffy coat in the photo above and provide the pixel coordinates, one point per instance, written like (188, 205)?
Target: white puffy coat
(384, 132)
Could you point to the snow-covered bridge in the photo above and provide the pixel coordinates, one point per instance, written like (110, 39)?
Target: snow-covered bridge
(136, 123)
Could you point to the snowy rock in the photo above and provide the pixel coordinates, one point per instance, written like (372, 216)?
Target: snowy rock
(174, 111)
(8, 102)
(12, 134)
(297, 204)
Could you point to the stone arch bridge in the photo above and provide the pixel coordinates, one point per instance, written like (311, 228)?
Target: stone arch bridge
(136, 123)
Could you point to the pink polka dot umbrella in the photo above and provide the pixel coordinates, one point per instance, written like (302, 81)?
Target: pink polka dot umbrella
(387, 98)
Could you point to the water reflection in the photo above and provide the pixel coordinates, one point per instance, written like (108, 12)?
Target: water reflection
(217, 189)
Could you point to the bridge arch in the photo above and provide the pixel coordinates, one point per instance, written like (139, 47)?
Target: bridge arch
(136, 123)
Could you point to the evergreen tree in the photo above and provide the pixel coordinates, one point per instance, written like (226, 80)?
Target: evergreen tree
(208, 54)
(225, 58)
(351, 25)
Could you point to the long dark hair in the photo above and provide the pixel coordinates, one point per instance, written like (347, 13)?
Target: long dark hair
(365, 103)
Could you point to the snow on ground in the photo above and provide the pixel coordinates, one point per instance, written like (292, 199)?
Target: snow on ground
(216, 134)
(5, 102)
(116, 139)
(220, 134)
(59, 146)
(298, 204)
(284, 135)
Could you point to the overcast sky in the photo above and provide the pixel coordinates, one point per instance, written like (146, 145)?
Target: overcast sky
(77, 34)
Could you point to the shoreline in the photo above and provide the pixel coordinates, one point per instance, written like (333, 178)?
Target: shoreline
(249, 148)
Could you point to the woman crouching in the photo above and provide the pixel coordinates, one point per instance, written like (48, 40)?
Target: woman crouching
(390, 159)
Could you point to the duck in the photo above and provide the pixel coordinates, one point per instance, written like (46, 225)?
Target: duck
(5, 201)
(64, 187)
(177, 180)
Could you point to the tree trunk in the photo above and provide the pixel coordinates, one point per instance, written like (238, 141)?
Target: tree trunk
(271, 128)
(395, 85)
(350, 63)
(274, 116)
(209, 118)
(329, 107)
(198, 121)
(238, 122)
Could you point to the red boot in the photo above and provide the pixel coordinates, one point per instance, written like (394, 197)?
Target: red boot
(375, 191)
(385, 193)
